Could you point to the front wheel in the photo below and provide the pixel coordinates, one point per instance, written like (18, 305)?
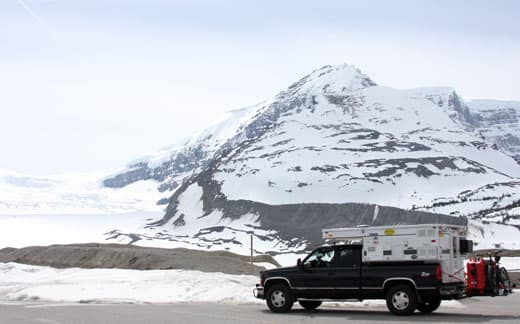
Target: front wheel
(429, 306)
(401, 300)
(279, 298)
(309, 304)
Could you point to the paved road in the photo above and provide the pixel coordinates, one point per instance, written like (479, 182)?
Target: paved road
(476, 310)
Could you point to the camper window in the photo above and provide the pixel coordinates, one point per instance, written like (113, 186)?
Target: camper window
(455, 245)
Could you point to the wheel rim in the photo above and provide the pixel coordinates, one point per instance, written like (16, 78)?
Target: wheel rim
(278, 298)
(400, 300)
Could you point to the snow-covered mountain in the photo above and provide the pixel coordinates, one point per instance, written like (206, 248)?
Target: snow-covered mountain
(324, 152)
(333, 149)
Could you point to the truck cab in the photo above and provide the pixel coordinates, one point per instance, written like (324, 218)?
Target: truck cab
(330, 272)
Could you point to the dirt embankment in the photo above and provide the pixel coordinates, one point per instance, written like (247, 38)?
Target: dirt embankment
(93, 255)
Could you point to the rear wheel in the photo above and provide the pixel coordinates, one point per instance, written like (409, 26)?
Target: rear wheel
(506, 281)
(429, 306)
(492, 281)
(401, 300)
(279, 298)
(310, 304)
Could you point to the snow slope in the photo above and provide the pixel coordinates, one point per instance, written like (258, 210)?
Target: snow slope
(40, 229)
(73, 194)
(356, 151)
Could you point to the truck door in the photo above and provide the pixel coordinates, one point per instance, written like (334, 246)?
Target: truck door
(346, 271)
(331, 272)
(315, 278)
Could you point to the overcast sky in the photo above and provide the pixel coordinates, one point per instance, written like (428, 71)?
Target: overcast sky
(91, 85)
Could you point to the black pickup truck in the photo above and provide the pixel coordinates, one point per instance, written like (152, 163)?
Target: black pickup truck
(337, 273)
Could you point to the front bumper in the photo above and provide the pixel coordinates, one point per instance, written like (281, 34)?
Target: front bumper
(258, 292)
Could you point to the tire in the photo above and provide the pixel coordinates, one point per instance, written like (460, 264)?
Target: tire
(401, 300)
(279, 298)
(506, 280)
(309, 304)
(491, 281)
(429, 306)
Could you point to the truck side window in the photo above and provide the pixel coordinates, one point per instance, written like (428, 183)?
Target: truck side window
(348, 257)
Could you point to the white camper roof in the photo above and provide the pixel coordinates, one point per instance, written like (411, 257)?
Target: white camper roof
(387, 230)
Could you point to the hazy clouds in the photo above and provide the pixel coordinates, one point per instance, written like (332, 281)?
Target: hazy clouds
(89, 85)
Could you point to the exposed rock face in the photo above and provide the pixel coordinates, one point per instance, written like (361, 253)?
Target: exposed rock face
(296, 222)
(179, 164)
(498, 122)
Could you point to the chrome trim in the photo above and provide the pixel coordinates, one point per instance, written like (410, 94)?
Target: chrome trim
(362, 288)
(332, 300)
(311, 299)
(258, 292)
(277, 278)
(331, 288)
(399, 278)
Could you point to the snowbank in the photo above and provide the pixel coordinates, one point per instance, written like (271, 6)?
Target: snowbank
(25, 283)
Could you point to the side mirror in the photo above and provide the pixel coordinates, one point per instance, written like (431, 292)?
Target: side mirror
(299, 263)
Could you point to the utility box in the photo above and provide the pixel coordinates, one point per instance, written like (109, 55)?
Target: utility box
(429, 243)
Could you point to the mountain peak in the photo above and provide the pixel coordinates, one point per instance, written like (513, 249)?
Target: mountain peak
(338, 79)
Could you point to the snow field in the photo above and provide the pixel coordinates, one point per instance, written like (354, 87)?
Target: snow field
(73, 194)
(26, 283)
(29, 230)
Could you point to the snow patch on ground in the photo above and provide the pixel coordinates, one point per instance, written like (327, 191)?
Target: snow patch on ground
(26, 283)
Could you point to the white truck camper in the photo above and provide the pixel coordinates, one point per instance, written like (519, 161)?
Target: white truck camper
(435, 243)
(412, 267)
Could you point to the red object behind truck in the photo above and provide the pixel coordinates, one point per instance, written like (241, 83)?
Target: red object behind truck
(476, 272)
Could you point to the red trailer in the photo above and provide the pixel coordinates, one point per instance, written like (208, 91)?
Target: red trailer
(485, 277)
